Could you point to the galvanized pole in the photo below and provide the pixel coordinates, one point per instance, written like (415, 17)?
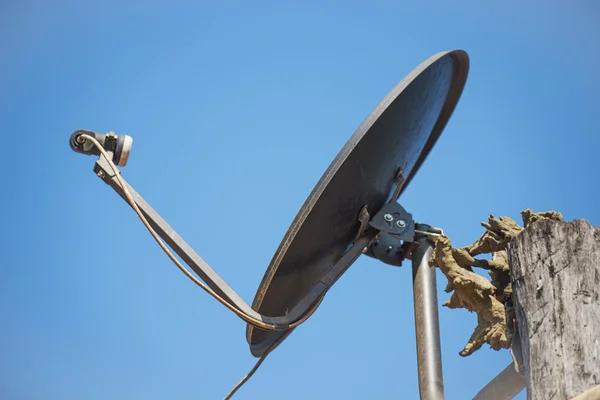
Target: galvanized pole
(429, 354)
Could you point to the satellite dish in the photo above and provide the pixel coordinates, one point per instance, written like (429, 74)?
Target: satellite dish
(353, 210)
(395, 138)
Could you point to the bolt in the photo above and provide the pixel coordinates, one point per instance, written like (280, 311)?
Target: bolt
(363, 215)
(388, 217)
(399, 177)
(389, 249)
(80, 139)
(400, 223)
(101, 174)
(111, 135)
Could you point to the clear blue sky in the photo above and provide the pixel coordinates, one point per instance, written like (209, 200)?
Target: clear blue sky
(258, 98)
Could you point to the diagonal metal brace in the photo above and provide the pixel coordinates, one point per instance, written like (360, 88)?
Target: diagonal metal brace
(213, 280)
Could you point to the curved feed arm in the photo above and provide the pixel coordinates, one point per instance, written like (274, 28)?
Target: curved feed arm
(212, 279)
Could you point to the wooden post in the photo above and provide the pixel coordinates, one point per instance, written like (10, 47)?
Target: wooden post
(555, 274)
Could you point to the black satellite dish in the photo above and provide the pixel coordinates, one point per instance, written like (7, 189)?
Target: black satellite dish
(353, 210)
(393, 141)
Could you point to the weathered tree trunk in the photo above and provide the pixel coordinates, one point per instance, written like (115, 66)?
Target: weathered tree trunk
(555, 274)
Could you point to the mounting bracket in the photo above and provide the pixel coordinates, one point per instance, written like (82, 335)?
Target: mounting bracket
(396, 234)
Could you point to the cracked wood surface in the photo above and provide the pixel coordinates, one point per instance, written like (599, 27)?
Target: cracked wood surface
(555, 275)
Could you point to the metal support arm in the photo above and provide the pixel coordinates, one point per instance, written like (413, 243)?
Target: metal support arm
(212, 279)
(427, 326)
